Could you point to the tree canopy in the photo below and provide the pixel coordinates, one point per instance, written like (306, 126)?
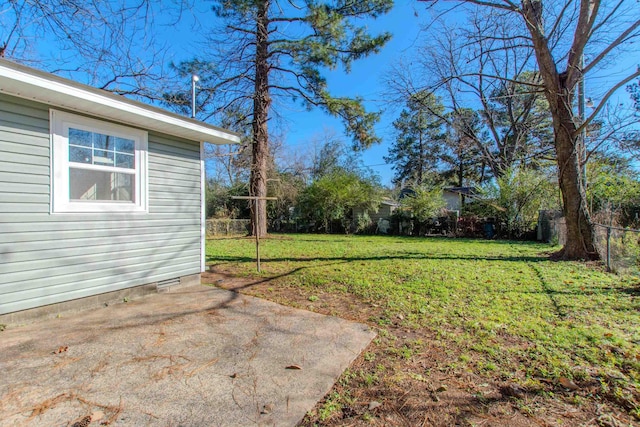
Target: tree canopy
(553, 37)
(96, 42)
(419, 144)
(267, 50)
(333, 197)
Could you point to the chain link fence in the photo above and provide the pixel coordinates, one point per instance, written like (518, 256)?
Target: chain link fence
(227, 227)
(619, 248)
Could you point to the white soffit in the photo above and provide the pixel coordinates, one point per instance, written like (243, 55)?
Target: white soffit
(50, 89)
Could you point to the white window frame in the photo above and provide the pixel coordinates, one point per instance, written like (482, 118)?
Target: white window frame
(60, 122)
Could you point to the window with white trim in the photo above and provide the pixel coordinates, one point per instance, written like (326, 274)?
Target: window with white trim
(97, 166)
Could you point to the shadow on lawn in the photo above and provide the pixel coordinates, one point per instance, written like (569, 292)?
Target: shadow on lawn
(531, 261)
(634, 290)
(402, 256)
(561, 310)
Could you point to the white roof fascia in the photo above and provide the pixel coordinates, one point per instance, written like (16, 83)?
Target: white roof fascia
(28, 83)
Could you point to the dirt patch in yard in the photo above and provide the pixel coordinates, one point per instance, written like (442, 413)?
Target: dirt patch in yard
(411, 376)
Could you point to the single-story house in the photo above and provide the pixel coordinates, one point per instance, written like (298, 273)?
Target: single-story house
(456, 197)
(385, 210)
(98, 193)
(380, 217)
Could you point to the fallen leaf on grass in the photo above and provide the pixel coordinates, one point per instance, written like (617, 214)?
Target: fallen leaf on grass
(567, 383)
(513, 390)
(608, 420)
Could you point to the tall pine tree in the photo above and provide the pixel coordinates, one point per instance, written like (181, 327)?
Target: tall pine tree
(419, 143)
(269, 51)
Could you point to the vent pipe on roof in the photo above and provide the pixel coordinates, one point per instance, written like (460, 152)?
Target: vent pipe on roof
(194, 79)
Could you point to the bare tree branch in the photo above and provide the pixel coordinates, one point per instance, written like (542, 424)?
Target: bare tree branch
(617, 42)
(605, 98)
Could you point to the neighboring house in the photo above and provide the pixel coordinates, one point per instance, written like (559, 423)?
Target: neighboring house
(98, 193)
(456, 197)
(380, 217)
(385, 209)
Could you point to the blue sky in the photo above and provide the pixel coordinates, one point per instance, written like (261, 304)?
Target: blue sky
(364, 80)
(182, 38)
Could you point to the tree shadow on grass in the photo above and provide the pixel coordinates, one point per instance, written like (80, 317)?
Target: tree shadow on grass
(561, 310)
(634, 290)
(403, 256)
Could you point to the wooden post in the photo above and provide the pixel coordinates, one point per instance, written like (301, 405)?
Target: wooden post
(256, 218)
(257, 230)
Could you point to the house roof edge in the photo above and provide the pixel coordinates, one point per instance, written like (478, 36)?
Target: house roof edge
(29, 83)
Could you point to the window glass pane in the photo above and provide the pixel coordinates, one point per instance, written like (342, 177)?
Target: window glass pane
(79, 154)
(104, 158)
(107, 150)
(125, 161)
(103, 142)
(79, 137)
(125, 145)
(101, 185)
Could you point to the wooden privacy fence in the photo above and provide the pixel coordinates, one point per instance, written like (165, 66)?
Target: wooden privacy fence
(228, 227)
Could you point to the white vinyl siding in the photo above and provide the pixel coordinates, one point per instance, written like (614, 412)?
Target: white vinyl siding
(48, 258)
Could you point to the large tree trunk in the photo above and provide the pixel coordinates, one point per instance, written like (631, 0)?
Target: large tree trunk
(261, 104)
(580, 234)
(559, 90)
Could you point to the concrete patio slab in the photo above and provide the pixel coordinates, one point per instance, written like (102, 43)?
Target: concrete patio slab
(200, 356)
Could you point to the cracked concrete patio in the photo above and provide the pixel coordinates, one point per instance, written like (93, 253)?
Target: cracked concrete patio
(199, 356)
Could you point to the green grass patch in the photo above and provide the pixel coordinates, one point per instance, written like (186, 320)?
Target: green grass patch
(504, 306)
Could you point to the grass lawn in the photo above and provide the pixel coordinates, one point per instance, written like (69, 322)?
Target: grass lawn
(469, 332)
